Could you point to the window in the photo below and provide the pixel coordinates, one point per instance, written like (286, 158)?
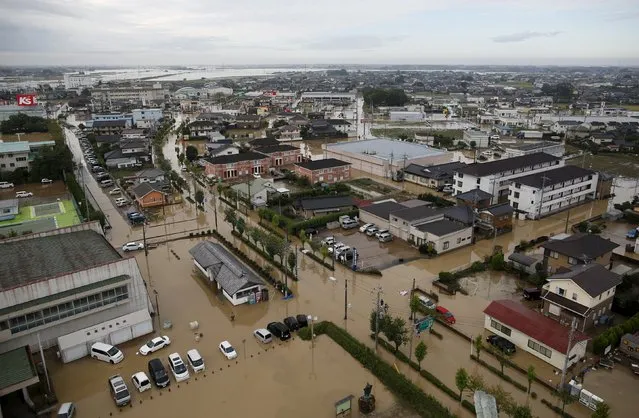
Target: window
(554, 254)
(446, 245)
(539, 348)
(572, 260)
(516, 195)
(459, 184)
(478, 181)
(561, 292)
(517, 185)
(21, 159)
(574, 296)
(499, 327)
(459, 240)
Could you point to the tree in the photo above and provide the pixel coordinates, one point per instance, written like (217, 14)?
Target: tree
(302, 237)
(530, 375)
(275, 220)
(420, 353)
(564, 397)
(230, 217)
(497, 262)
(257, 235)
(502, 357)
(324, 252)
(314, 246)
(292, 261)
(414, 306)
(191, 153)
(461, 381)
(199, 197)
(272, 245)
(476, 382)
(180, 158)
(380, 325)
(240, 224)
(478, 342)
(521, 411)
(602, 411)
(504, 399)
(396, 332)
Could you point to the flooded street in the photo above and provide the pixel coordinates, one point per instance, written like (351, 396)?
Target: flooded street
(290, 380)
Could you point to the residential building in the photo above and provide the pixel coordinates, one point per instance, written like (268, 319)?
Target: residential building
(322, 205)
(329, 170)
(73, 81)
(384, 157)
(150, 175)
(281, 154)
(556, 149)
(248, 122)
(109, 116)
(290, 133)
(237, 165)
(235, 281)
(146, 118)
(441, 235)
(495, 177)
(563, 126)
(117, 159)
(378, 213)
(203, 128)
(9, 209)
(133, 134)
(341, 125)
(6, 111)
(69, 288)
(604, 185)
(460, 213)
(401, 221)
(328, 97)
(499, 218)
(475, 198)
(569, 250)
(584, 293)
(215, 149)
(551, 191)
(433, 176)
(525, 263)
(534, 333)
(320, 128)
(129, 94)
(134, 147)
(400, 116)
(107, 139)
(20, 154)
(148, 195)
(110, 127)
(259, 190)
(479, 138)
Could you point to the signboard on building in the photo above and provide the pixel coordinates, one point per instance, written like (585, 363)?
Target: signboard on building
(26, 99)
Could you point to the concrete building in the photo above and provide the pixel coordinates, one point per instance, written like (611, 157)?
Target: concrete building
(15, 155)
(7, 111)
(583, 293)
(480, 138)
(534, 333)
(237, 165)
(538, 195)
(442, 235)
(129, 94)
(556, 149)
(433, 176)
(401, 221)
(569, 250)
(495, 177)
(384, 157)
(110, 127)
(146, 118)
(71, 288)
(330, 97)
(379, 213)
(236, 282)
(330, 170)
(79, 81)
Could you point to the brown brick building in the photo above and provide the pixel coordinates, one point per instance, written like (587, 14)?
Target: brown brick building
(330, 170)
(237, 165)
(281, 154)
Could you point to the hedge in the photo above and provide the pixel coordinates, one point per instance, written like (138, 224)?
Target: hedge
(265, 255)
(498, 372)
(556, 409)
(269, 228)
(320, 221)
(278, 284)
(79, 196)
(612, 336)
(423, 404)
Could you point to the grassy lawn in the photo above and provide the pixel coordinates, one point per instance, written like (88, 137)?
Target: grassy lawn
(23, 215)
(371, 185)
(618, 164)
(32, 137)
(69, 217)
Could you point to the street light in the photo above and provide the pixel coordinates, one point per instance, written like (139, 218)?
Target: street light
(312, 319)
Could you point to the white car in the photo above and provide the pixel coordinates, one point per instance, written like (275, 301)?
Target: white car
(154, 345)
(195, 360)
(46, 181)
(6, 185)
(24, 194)
(178, 368)
(115, 191)
(336, 247)
(227, 349)
(364, 227)
(341, 250)
(328, 241)
(132, 246)
(141, 381)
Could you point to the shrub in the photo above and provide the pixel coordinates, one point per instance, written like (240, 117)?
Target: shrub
(613, 335)
(498, 372)
(556, 409)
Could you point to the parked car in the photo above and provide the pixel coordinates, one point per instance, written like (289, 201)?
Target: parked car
(178, 368)
(291, 323)
(158, 373)
(263, 335)
(633, 233)
(426, 302)
(115, 191)
(141, 381)
(106, 183)
(448, 190)
(336, 246)
(341, 250)
(106, 352)
(132, 246)
(385, 237)
(302, 320)
(380, 232)
(119, 202)
(346, 256)
(532, 293)
(501, 343)
(370, 231)
(119, 391)
(154, 345)
(66, 410)
(227, 349)
(280, 330)
(24, 194)
(446, 314)
(364, 227)
(328, 241)
(6, 185)
(46, 181)
(350, 224)
(195, 360)
(102, 176)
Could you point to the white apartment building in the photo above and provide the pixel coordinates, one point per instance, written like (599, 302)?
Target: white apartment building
(77, 81)
(15, 155)
(551, 191)
(517, 150)
(129, 94)
(494, 177)
(145, 118)
(480, 138)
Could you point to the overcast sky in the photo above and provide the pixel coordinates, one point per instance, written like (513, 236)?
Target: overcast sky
(227, 32)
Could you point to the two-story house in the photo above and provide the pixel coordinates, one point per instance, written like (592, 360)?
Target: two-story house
(329, 170)
(110, 127)
(432, 176)
(258, 189)
(237, 165)
(290, 133)
(203, 128)
(582, 293)
(570, 250)
(402, 220)
(150, 175)
(248, 122)
(281, 154)
(498, 217)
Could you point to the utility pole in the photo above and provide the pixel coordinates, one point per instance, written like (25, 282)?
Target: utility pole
(146, 248)
(345, 299)
(567, 219)
(379, 291)
(412, 292)
(573, 327)
(543, 186)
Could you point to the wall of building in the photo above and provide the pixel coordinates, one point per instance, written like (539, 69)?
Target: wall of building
(326, 175)
(242, 168)
(369, 218)
(555, 261)
(9, 161)
(455, 240)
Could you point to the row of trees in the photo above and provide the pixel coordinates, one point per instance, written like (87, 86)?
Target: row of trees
(22, 123)
(385, 97)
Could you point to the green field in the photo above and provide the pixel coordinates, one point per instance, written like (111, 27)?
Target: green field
(65, 218)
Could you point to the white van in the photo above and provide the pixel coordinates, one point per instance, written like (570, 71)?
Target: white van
(106, 183)
(106, 352)
(426, 302)
(67, 410)
(263, 335)
(195, 360)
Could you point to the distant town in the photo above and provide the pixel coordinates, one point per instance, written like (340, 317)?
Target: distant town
(464, 239)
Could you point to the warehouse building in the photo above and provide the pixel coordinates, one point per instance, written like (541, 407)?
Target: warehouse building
(69, 288)
(385, 157)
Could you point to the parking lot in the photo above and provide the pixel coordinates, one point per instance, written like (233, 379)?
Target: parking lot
(371, 252)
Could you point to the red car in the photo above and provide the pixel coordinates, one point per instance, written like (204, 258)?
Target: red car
(445, 313)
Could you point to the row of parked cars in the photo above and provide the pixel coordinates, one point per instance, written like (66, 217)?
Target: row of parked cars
(371, 230)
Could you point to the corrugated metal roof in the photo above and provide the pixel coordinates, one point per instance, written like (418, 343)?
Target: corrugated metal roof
(15, 367)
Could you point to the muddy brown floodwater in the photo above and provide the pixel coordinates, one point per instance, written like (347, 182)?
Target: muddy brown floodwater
(292, 379)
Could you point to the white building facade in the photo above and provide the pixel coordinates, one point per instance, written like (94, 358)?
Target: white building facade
(145, 118)
(77, 81)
